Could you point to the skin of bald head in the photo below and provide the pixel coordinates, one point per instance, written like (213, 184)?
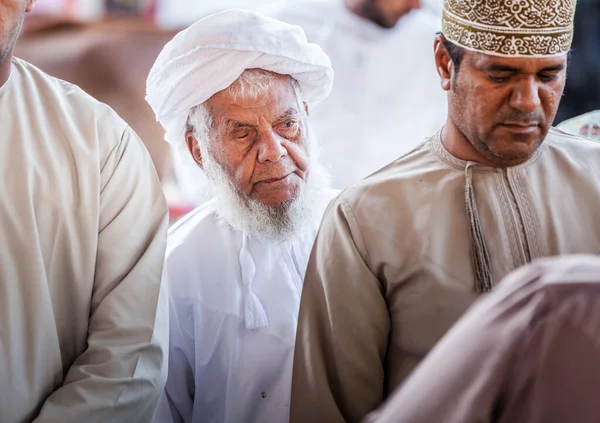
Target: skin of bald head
(500, 109)
(12, 13)
(385, 13)
(257, 136)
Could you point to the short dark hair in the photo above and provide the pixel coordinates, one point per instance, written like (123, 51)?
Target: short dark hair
(456, 52)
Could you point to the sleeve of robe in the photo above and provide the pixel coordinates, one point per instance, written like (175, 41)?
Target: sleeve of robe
(120, 376)
(343, 327)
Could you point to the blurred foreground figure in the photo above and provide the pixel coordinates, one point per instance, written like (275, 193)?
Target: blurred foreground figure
(402, 254)
(233, 92)
(528, 353)
(83, 221)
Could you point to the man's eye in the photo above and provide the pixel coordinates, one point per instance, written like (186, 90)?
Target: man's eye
(240, 135)
(289, 127)
(498, 79)
(547, 77)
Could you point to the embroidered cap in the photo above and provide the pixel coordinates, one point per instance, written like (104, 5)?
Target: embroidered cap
(510, 28)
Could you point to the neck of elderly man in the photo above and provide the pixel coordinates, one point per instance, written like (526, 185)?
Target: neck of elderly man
(254, 143)
(500, 109)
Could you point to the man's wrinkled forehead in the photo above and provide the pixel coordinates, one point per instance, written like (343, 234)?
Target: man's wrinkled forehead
(488, 62)
(277, 102)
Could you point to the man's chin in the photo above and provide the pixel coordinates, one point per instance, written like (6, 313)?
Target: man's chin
(511, 157)
(277, 202)
(277, 197)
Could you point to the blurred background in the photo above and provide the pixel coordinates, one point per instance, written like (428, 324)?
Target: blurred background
(108, 46)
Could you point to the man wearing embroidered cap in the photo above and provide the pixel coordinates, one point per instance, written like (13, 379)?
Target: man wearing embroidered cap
(401, 255)
(233, 92)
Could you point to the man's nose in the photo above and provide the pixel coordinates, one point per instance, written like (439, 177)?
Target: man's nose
(271, 148)
(525, 96)
(415, 4)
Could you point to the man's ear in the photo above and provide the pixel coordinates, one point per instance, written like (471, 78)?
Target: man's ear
(443, 62)
(30, 6)
(192, 146)
(306, 109)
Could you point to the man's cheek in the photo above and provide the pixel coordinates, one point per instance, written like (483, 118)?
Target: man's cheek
(297, 151)
(300, 159)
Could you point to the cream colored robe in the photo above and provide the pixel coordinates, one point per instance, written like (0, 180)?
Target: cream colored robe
(83, 221)
(391, 269)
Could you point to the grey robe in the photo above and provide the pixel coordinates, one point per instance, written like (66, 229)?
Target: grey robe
(528, 353)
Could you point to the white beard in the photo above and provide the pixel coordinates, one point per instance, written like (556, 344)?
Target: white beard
(278, 222)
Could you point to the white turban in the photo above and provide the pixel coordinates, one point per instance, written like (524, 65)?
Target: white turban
(211, 54)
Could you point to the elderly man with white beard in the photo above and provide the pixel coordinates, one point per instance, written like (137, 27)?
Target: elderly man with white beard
(233, 91)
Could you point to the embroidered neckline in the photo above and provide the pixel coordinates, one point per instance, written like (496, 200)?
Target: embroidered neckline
(438, 147)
